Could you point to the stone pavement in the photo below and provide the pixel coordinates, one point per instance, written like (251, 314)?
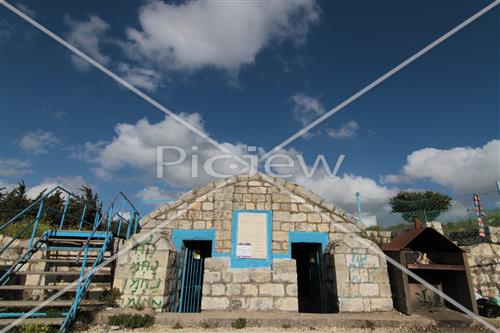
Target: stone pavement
(440, 321)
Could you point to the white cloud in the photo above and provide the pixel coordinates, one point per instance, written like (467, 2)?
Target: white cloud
(154, 195)
(463, 169)
(70, 183)
(135, 146)
(147, 79)
(306, 108)
(86, 35)
(346, 131)
(13, 167)
(225, 35)
(341, 191)
(6, 187)
(38, 142)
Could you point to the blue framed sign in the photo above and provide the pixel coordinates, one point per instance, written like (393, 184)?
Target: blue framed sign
(251, 238)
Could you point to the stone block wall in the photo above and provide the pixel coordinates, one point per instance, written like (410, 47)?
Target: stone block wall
(380, 237)
(293, 209)
(259, 289)
(146, 275)
(13, 252)
(361, 277)
(484, 263)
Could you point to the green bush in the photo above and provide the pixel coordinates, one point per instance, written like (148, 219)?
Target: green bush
(36, 328)
(177, 326)
(22, 229)
(239, 323)
(131, 321)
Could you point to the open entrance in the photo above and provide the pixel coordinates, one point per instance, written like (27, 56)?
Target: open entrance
(195, 253)
(307, 256)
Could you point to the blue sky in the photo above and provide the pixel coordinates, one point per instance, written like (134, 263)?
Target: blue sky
(252, 74)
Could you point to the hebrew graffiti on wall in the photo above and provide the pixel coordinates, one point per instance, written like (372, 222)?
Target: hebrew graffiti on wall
(145, 287)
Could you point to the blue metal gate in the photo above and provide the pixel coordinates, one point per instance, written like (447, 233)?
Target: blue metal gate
(192, 281)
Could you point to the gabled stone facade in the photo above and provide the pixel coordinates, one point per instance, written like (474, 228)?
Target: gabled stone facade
(295, 211)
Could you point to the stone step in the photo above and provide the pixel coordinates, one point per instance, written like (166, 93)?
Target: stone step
(96, 286)
(65, 273)
(70, 248)
(55, 303)
(64, 261)
(42, 321)
(79, 240)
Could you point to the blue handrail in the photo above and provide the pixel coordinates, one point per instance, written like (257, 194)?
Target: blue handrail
(110, 222)
(110, 216)
(84, 281)
(41, 205)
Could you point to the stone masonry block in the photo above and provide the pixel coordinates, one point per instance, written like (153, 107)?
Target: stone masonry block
(261, 275)
(271, 289)
(287, 277)
(214, 303)
(250, 290)
(292, 290)
(216, 264)
(260, 303)
(287, 304)
(351, 305)
(241, 276)
(283, 265)
(211, 277)
(368, 289)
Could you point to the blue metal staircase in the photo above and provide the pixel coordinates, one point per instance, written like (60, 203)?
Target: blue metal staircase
(64, 269)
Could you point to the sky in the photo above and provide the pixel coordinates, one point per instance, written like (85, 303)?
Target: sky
(251, 74)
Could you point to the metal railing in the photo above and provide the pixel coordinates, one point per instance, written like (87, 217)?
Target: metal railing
(115, 220)
(42, 206)
(112, 222)
(84, 281)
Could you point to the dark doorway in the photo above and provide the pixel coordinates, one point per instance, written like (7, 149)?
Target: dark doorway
(195, 253)
(308, 257)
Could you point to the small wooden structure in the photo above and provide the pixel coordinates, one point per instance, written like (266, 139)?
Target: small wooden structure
(436, 259)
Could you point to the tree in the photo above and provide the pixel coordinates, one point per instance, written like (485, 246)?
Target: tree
(13, 202)
(425, 205)
(93, 205)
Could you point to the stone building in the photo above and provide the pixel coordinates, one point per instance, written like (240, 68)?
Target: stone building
(252, 243)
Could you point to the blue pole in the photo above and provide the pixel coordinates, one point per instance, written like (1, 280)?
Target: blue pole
(96, 219)
(64, 212)
(183, 283)
(121, 220)
(37, 218)
(83, 216)
(358, 205)
(136, 221)
(110, 215)
(131, 220)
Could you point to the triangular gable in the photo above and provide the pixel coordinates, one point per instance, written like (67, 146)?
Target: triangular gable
(294, 189)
